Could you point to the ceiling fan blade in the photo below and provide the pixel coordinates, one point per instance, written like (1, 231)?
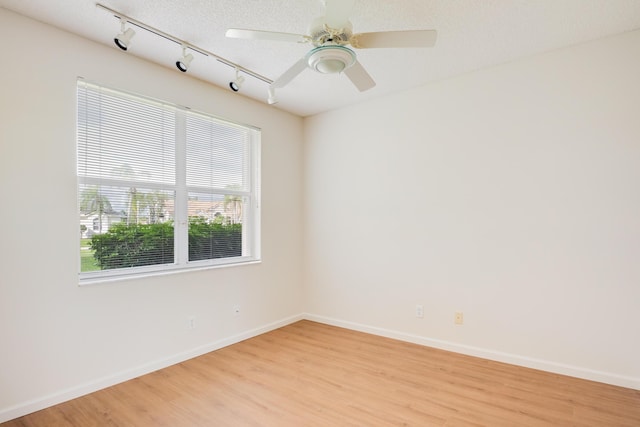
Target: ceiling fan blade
(337, 12)
(417, 38)
(359, 77)
(239, 33)
(290, 74)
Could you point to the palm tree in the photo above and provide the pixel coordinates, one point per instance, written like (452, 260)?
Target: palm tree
(127, 172)
(155, 202)
(93, 201)
(236, 204)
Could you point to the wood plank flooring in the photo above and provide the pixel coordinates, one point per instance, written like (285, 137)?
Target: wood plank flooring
(310, 374)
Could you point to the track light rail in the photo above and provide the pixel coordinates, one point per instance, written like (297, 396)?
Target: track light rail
(183, 43)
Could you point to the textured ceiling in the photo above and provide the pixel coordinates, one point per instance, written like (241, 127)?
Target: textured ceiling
(472, 34)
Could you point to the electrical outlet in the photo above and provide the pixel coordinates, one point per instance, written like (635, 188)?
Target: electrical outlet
(459, 319)
(419, 311)
(191, 322)
(236, 310)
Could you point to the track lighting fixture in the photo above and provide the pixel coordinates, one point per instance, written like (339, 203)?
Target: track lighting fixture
(185, 60)
(123, 39)
(237, 83)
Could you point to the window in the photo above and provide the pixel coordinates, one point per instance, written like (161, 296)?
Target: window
(161, 187)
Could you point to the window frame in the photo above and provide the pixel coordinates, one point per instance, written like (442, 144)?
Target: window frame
(251, 212)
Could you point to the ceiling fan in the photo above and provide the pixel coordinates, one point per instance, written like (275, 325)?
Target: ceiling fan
(330, 34)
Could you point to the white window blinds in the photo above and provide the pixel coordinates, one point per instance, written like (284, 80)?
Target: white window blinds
(161, 187)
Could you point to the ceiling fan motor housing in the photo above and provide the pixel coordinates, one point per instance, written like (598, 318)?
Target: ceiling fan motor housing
(321, 34)
(330, 59)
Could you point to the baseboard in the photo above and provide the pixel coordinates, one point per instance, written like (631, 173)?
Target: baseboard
(28, 407)
(513, 359)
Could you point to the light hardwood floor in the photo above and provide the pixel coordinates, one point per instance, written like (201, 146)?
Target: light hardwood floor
(310, 374)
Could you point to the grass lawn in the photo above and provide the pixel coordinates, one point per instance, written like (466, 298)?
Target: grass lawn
(87, 263)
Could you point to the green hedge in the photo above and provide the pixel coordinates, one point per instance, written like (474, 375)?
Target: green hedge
(212, 240)
(137, 245)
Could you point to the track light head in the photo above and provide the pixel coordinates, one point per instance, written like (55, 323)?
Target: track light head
(184, 62)
(236, 84)
(123, 39)
(272, 96)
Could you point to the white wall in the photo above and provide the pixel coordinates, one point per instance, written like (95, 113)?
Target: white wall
(57, 339)
(511, 194)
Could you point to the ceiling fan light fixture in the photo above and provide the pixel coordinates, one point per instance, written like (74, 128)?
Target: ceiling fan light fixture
(330, 59)
(330, 66)
(123, 39)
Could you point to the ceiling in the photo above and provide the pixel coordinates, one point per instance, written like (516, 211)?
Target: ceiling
(472, 34)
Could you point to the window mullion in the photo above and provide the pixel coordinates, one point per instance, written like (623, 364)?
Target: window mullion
(181, 225)
(253, 220)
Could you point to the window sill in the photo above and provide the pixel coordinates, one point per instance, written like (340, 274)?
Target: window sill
(118, 277)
